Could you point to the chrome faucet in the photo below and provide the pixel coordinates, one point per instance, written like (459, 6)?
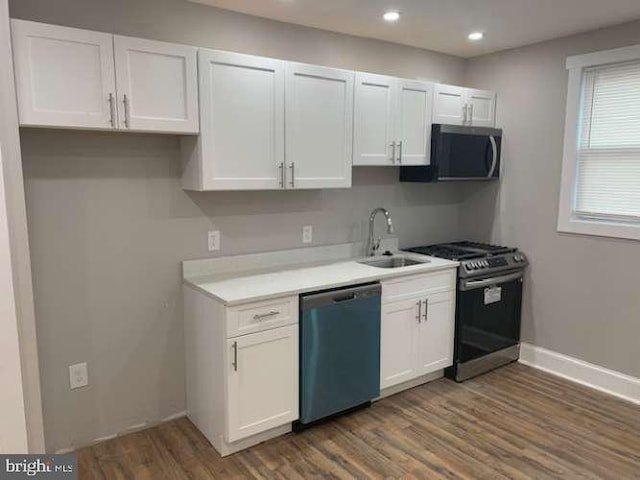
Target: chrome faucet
(374, 245)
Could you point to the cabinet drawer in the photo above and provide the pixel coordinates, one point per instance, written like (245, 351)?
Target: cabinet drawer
(416, 285)
(259, 316)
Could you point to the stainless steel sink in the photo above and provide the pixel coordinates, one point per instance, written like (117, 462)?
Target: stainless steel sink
(393, 262)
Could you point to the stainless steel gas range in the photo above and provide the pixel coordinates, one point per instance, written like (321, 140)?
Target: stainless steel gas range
(488, 305)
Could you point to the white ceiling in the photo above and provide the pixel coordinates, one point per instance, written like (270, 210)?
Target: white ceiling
(443, 25)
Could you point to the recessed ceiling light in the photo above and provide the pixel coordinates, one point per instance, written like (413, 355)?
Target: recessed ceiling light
(475, 36)
(391, 16)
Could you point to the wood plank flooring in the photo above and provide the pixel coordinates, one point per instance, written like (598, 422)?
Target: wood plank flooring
(515, 422)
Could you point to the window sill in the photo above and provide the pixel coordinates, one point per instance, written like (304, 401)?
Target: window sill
(599, 228)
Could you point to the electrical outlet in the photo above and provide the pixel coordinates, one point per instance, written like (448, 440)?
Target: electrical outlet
(307, 234)
(78, 375)
(213, 240)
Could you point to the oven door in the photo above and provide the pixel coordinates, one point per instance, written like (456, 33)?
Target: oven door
(488, 315)
(466, 153)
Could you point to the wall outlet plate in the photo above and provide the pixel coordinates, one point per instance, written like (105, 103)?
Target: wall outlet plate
(213, 240)
(78, 375)
(307, 234)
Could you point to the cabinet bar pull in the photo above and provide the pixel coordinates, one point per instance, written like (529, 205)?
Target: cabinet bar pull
(400, 152)
(464, 114)
(260, 316)
(419, 310)
(281, 167)
(393, 152)
(293, 174)
(426, 309)
(125, 100)
(235, 357)
(112, 111)
(471, 114)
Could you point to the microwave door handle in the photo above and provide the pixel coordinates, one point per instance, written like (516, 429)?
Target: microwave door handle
(494, 150)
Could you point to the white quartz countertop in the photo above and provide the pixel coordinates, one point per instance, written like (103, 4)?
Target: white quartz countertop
(260, 284)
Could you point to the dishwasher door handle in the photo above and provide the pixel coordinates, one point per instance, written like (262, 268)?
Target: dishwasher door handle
(345, 298)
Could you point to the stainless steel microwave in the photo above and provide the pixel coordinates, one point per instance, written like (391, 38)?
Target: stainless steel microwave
(459, 153)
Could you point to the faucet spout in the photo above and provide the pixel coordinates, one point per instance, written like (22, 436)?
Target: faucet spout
(372, 245)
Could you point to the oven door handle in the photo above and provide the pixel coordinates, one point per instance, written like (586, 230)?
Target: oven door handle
(487, 282)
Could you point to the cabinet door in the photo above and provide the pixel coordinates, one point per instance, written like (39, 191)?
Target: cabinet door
(64, 76)
(398, 342)
(262, 381)
(436, 332)
(449, 104)
(319, 126)
(375, 103)
(482, 107)
(413, 122)
(157, 85)
(242, 121)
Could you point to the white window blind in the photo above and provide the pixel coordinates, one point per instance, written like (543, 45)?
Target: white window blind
(608, 171)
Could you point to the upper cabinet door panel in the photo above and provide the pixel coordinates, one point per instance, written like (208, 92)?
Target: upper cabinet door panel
(160, 84)
(242, 120)
(374, 119)
(319, 126)
(449, 104)
(482, 107)
(413, 122)
(64, 76)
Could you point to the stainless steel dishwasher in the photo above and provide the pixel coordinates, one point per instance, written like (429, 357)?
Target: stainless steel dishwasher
(339, 351)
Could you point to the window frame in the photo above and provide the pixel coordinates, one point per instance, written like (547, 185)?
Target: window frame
(568, 222)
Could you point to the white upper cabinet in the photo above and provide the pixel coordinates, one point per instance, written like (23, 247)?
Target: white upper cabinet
(241, 145)
(392, 121)
(71, 78)
(64, 76)
(413, 122)
(319, 126)
(464, 106)
(157, 85)
(375, 100)
(449, 105)
(482, 107)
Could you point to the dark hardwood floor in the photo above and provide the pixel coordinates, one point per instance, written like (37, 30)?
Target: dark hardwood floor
(515, 422)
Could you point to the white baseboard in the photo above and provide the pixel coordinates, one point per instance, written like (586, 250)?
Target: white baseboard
(603, 379)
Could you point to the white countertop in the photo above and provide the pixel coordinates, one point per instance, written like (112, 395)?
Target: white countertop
(260, 284)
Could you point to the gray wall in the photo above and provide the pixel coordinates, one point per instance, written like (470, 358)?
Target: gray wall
(582, 292)
(109, 222)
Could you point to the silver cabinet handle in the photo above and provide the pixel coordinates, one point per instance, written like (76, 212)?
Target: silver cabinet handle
(265, 315)
(426, 309)
(293, 174)
(471, 114)
(400, 152)
(281, 167)
(112, 110)
(235, 356)
(125, 100)
(419, 310)
(393, 152)
(464, 114)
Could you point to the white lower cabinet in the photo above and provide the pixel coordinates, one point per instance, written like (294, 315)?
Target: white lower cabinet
(241, 368)
(262, 381)
(397, 343)
(417, 332)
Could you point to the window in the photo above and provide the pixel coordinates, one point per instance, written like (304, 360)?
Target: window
(601, 165)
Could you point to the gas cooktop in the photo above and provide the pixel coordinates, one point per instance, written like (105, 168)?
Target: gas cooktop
(476, 258)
